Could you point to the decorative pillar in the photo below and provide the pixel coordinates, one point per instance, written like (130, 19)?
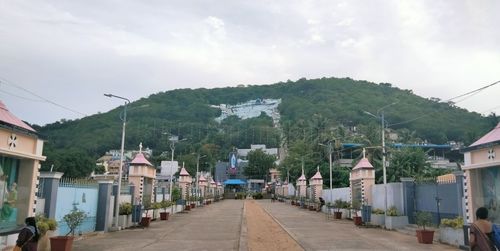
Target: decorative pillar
(285, 189)
(103, 207)
(316, 183)
(213, 186)
(362, 179)
(409, 198)
(184, 181)
(50, 183)
(302, 186)
(203, 184)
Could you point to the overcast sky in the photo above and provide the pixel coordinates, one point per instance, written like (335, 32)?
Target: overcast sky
(71, 52)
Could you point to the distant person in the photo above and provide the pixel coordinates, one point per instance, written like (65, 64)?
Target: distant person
(29, 235)
(321, 203)
(481, 232)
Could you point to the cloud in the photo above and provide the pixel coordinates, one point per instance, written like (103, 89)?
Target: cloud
(73, 51)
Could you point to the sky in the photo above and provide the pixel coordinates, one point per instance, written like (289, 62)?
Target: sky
(58, 58)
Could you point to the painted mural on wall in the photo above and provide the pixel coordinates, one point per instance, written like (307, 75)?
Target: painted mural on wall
(491, 190)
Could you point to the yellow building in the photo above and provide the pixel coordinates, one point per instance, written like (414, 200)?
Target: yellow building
(20, 157)
(482, 175)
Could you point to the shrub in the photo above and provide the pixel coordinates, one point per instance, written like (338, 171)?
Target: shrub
(74, 219)
(43, 227)
(423, 219)
(258, 196)
(392, 211)
(125, 208)
(377, 211)
(339, 204)
(240, 196)
(52, 224)
(456, 223)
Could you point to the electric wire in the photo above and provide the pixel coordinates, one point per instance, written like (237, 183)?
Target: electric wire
(4, 81)
(465, 95)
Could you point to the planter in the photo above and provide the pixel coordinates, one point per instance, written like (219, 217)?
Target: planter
(293, 203)
(425, 236)
(311, 208)
(187, 208)
(164, 215)
(156, 214)
(337, 215)
(145, 221)
(123, 221)
(357, 220)
(61, 243)
(451, 236)
(193, 205)
(393, 222)
(378, 219)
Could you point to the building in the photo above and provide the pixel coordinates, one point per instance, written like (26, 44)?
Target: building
(482, 175)
(20, 157)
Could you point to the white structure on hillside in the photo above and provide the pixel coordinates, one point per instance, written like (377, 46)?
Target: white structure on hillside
(251, 109)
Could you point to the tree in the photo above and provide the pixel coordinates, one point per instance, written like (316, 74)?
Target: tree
(259, 164)
(411, 162)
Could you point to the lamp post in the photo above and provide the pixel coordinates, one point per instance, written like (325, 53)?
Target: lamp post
(330, 151)
(198, 157)
(173, 139)
(119, 179)
(380, 115)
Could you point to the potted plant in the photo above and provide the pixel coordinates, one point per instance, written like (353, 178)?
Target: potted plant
(156, 210)
(394, 220)
(424, 219)
(193, 201)
(164, 204)
(377, 217)
(356, 205)
(338, 204)
(451, 231)
(46, 228)
(124, 212)
(146, 220)
(65, 243)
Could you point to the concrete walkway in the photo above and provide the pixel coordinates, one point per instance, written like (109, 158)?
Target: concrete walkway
(314, 232)
(213, 227)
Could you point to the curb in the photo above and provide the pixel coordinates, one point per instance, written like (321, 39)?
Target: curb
(283, 227)
(242, 243)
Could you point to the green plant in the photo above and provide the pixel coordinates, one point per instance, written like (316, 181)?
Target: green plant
(156, 205)
(125, 208)
(164, 204)
(147, 206)
(258, 196)
(455, 223)
(74, 219)
(377, 211)
(176, 194)
(340, 204)
(423, 219)
(44, 224)
(392, 211)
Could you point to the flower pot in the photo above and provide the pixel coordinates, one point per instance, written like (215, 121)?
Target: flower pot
(145, 221)
(164, 215)
(61, 243)
(193, 205)
(311, 208)
(187, 208)
(293, 203)
(337, 215)
(425, 236)
(357, 220)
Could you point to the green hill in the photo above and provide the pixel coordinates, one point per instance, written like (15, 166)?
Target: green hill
(309, 109)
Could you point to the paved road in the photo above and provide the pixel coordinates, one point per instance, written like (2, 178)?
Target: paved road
(214, 227)
(314, 232)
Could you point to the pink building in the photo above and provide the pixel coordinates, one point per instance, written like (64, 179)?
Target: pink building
(142, 174)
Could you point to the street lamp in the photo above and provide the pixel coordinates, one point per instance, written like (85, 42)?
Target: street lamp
(330, 151)
(119, 178)
(173, 139)
(380, 115)
(198, 157)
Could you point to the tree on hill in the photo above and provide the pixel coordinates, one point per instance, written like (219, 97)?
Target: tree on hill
(259, 164)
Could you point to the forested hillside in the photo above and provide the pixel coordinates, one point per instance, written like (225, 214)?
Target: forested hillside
(311, 111)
